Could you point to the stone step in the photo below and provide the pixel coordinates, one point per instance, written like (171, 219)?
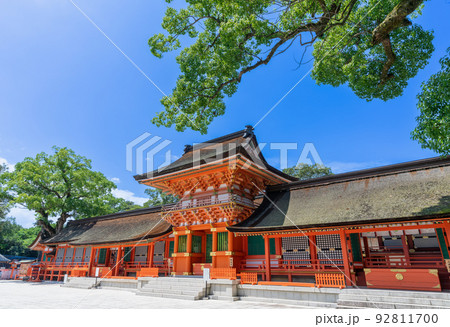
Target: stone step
(384, 305)
(76, 285)
(183, 292)
(396, 299)
(171, 282)
(173, 287)
(171, 296)
(397, 293)
(297, 303)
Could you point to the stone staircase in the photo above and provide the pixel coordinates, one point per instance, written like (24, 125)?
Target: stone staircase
(392, 299)
(80, 282)
(175, 288)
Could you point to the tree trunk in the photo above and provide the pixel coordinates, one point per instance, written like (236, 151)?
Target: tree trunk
(396, 18)
(46, 227)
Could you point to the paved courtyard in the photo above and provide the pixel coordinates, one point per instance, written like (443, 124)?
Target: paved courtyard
(27, 295)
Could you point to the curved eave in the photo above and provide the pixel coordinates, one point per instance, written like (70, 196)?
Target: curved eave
(333, 226)
(147, 238)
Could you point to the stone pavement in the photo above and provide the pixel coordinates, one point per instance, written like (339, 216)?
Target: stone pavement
(48, 295)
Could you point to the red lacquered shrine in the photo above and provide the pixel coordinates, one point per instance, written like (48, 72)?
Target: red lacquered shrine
(386, 227)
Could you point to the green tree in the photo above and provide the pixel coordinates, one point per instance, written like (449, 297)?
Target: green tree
(370, 45)
(61, 186)
(14, 239)
(5, 199)
(158, 198)
(433, 123)
(305, 171)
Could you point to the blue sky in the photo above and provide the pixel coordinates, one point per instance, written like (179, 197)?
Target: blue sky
(63, 83)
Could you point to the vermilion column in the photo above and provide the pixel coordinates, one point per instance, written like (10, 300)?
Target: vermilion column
(118, 261)
(189, 251)
(150, 255)
(267, 256)
(91, 261)
(345, 257)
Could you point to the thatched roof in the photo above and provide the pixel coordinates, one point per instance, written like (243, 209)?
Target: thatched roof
(404, 191)
(116, 228)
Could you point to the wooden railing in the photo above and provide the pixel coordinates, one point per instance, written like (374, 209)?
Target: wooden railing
(207, 201)
(249, 278)
(330, 280)
(135, 264)
(292, 265)
(390, 260)
(223, 273)
(148, 272)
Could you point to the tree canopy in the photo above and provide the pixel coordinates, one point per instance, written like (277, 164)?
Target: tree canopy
(158, 198)
(433, 123)
(372, 46)
(305, 171)
(61, 186)
(4, 196)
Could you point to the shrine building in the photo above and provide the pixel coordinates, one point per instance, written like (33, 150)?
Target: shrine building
(240, 218)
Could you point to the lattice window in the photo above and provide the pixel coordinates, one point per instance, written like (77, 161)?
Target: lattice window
(296, 249)
(330, 249)
(140, 254)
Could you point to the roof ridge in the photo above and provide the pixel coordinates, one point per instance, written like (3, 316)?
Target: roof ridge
(403, 167)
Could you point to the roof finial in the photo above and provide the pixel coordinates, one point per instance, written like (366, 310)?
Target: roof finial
(187, 148)
(248, 131)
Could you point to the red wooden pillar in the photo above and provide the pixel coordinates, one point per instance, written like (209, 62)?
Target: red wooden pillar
(230, 241)
(313, 251)
(91, 261)
(189, 250)
(345, 258)
(405, 249)
(118, 261)
(150, 254)
(214, 248)
(446, 226)
(366, 246)
(267, 256)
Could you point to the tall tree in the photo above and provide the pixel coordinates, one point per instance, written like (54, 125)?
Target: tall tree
(370, 45)
(433, 123)
(61, 186)
(5, 198)
(305, 171)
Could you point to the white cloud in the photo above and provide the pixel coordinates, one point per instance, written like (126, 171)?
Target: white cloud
(115, 180)
(341, 167)
(130, 196)
(24, 217)
(9, 165)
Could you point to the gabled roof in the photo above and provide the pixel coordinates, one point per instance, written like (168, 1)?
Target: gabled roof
(128, 226)
(408, 191)
(242, 142)
(4, 259)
